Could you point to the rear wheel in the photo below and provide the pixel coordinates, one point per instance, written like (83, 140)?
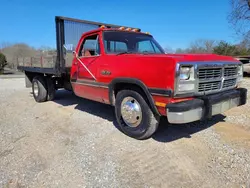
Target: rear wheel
(134, 116)
(39, 89)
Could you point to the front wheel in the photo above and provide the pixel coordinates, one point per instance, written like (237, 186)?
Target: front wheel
(134, 116)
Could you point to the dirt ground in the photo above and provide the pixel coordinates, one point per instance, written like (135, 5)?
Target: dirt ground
(73, 142)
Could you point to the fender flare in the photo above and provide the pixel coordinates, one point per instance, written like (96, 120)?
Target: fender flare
(136, 82)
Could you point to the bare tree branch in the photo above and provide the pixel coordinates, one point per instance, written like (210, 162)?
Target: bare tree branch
(239, 17)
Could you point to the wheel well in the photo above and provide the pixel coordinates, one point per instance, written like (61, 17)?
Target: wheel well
(130, 86)
(59, 81)
(122, 86)
(29, 77)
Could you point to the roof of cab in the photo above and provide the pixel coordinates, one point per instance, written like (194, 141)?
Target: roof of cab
(115, 29)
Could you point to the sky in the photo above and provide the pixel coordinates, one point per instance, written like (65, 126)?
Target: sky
(173, 23)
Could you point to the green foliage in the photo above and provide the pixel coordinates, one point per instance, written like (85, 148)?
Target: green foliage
(224, 48)
(3, 61)
(220, 48)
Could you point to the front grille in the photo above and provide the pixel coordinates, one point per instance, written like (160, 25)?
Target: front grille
(209, 86)
(211, 73)
(229, 83)
(210, 79)
(230, 71)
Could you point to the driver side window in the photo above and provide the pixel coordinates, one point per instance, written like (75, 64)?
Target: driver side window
(145, 46)
(90, 47)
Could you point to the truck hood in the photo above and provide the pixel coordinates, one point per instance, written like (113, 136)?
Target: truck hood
(159, 70)
(200, 57)
(206, 58)
(181, 57)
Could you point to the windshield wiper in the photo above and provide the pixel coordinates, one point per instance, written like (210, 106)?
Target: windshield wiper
(126, 52)
(130, 52)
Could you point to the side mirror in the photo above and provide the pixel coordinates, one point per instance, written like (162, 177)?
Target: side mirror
(75, 54)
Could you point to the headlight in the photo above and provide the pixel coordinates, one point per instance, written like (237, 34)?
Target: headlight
(240, 73)
(185, 73)
(186, 81)
(240, 70)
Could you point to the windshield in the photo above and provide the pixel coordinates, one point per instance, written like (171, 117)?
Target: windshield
(119, 41)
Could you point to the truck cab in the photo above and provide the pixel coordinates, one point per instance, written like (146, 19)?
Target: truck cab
(105, 55)
(128, 69)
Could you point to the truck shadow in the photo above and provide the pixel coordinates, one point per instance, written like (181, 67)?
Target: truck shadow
(67, 98)
(168, 133)
(165, 132)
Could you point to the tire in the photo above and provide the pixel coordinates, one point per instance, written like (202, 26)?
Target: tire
(51, 89)
(147, 123)
(39, 89)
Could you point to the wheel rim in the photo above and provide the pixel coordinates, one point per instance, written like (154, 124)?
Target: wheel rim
(35, 89)
(131, 112)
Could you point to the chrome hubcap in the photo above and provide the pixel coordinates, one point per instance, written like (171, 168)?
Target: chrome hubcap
(35, 89)
(131, 112)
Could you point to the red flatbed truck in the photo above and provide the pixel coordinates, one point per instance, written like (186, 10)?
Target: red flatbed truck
(128, 69)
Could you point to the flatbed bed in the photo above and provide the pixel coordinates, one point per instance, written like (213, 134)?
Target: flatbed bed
(68, 32)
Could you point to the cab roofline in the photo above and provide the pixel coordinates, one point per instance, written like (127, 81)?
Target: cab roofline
(113, 29)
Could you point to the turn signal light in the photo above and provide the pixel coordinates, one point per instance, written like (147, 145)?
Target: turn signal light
(121, 28)
(135, 30)
(102, 27)
(129, 29)
(160, 104)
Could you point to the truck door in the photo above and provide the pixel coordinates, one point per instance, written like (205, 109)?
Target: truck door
(85, 65)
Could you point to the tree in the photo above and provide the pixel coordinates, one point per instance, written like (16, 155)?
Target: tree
(4, 45)
(202, 46)
(199, 46)
(180, 51)
(3, 61)
(224, 48)
(16, 51)
(239, 18)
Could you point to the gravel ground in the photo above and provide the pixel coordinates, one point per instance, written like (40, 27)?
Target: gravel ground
(73, 142)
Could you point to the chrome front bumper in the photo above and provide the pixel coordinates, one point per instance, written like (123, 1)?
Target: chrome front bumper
(206, 107)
